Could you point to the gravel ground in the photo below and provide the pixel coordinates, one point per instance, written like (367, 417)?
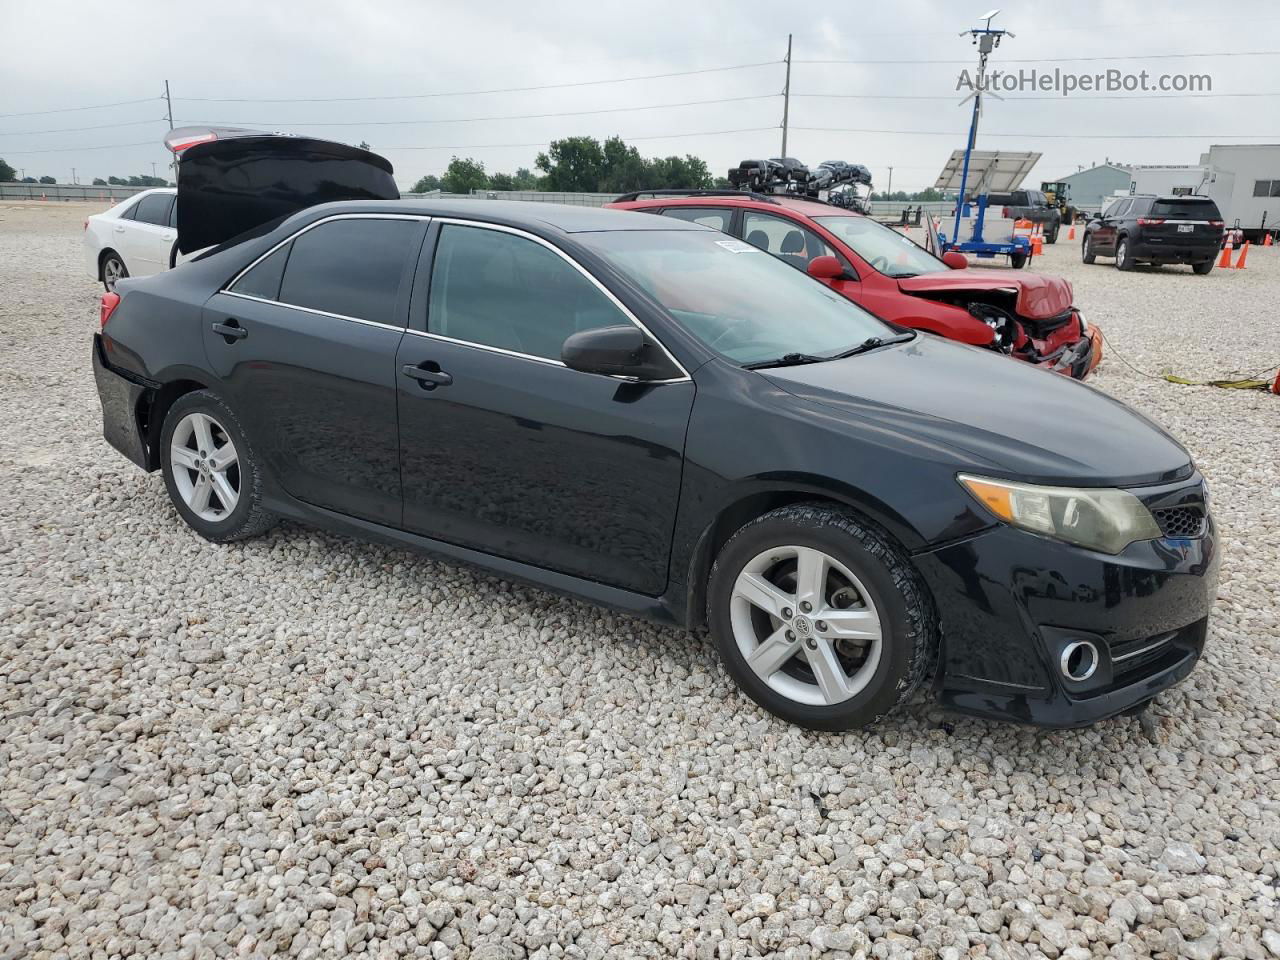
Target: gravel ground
(314, 747)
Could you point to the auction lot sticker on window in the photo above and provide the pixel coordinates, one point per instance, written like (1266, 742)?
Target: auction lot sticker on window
(737, 246)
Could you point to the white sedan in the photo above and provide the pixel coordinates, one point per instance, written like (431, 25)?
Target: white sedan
(133, 239)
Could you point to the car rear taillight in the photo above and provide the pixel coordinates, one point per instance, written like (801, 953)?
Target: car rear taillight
(1215, 223)
(1004, 213)
(109, 302)
(1150, 221)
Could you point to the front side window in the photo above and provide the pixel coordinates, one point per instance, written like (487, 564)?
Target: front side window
(501, 290)
(717, 219)
(745, 306)
(785, 239)
(885, 251)
(154, 209)
(351, 267)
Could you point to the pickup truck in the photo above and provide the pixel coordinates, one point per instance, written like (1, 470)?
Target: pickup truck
(1027, 205)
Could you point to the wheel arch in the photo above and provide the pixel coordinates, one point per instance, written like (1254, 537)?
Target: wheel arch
(745, 505)
(102, 259)
(153, 410)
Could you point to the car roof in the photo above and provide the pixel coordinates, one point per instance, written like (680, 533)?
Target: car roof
(515, 213)
(801, 205)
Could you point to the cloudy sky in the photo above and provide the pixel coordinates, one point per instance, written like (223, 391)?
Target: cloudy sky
(297, 67)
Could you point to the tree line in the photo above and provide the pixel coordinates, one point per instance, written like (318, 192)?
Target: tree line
(10, 175)
(578, 165)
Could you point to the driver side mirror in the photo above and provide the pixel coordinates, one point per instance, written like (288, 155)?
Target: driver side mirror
(828, 267)
(618, 351)
(955, 260)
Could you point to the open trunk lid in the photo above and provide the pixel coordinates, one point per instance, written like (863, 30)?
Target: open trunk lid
(231, 180)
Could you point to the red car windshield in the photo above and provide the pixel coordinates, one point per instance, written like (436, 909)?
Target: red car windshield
(738, 300)
(887, 251)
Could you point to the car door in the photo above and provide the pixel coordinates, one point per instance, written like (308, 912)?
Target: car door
(506, 450)
(1104, 234)
(305, 341)
(149, 236)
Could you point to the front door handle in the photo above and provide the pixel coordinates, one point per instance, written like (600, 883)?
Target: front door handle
(230, 331)
(428, 374)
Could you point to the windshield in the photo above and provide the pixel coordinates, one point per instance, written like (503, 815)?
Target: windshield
(738, 300)
(885, 250)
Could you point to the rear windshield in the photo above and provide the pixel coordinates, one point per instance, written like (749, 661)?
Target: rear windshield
(1188, 209)
(738, 300)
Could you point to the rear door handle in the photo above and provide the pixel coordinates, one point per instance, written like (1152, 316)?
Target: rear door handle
(428, 374)
(231, 330)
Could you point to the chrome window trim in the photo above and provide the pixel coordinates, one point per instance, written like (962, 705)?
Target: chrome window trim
(319, 313)
(591, 278)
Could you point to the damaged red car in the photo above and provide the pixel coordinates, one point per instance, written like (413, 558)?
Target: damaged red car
(1024, 315)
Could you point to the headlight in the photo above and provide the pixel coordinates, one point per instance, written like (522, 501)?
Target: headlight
(1101, 519)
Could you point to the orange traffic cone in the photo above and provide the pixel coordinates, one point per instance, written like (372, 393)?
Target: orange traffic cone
(1267, 241)
(1071, 232)
(1244, 252)
(1225, 262)
(1037, 240)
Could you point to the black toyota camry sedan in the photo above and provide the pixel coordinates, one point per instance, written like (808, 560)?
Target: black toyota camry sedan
(653, 416)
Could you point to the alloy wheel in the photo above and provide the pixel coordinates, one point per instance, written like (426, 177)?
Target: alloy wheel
(206, 467)
(806, 625)
(112, 273)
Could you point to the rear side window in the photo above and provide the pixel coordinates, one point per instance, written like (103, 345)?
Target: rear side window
(263, 281)
(349, 267)
(1188, 209)
(501, 290)
(154, 209)
(707, 216)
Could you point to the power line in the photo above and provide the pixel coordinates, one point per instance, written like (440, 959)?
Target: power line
(543, 143)
(518, 116)
(1118, 56)
(1013, 99)
(97, 106)
(101, 126)
(104, 146)
(1059, 136)
(471, 93)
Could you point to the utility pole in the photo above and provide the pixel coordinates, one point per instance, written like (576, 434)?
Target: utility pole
(889, 192)
(173, 163)
(786, 98)
(73, 175)
(986, 40)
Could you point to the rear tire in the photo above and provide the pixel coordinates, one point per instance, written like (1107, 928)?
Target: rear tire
(1017, 260)
(820, 617)
(1086, 250)
(1203, 267)
(1052, 237)
(1123, 260)
(210, 470)
(112, 270)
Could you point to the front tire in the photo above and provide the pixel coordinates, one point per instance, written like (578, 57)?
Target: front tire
(210, 470)
(1086, 249)
(820, 617)
(112, 270)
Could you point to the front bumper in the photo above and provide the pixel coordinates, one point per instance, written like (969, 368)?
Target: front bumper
(1011, 603)
(124, 401)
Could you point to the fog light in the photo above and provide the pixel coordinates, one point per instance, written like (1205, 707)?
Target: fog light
(1079, 661)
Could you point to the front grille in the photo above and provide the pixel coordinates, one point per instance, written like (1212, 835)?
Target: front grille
(1183, 522)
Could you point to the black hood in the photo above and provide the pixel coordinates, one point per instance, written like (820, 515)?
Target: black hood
(995, 414)
(232, 184)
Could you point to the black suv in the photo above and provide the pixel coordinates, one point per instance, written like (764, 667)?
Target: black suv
(1156, 230)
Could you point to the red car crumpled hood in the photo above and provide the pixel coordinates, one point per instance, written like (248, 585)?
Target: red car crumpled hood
(1039, 297)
